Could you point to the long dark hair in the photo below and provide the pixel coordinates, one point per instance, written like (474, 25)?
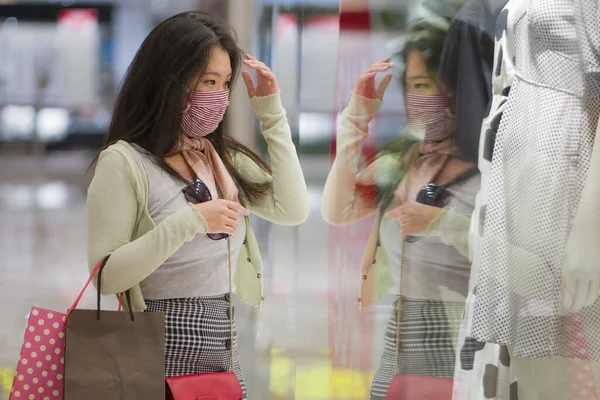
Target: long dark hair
(149, 107)
(428, 37)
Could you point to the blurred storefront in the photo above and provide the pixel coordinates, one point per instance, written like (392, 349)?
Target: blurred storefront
(61, 64)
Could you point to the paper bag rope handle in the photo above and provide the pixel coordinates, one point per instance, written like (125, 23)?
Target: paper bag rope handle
(87, 284)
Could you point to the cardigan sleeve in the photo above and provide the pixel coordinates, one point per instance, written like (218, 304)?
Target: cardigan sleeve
(342, 203)
(453, 230)
(113, 207)
(287, 202)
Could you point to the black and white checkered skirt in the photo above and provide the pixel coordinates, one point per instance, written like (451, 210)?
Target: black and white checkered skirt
(427, 331)
(198, 336)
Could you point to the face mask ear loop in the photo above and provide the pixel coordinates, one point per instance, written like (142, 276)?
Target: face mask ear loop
(189, 97)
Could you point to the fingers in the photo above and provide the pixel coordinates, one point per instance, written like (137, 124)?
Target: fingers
(248, 81)
(227, 223)
(263, 72)
(378, 68)
(399, 214)
(255, 64)
(398, 211)
(237, 207)
(229, 215)
(363, 79)
(225, 227)
(365, 84)
(231, 226)
(230, 230)
(371, 72)
(258, 66)
(268, 75)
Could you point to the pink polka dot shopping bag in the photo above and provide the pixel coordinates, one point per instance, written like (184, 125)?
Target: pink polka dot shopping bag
(40, 372)
(92, 354)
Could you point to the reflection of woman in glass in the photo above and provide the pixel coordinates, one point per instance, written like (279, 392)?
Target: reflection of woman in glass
(433, 259)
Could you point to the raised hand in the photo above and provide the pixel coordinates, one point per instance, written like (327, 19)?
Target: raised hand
(365, 84)
(266, 82)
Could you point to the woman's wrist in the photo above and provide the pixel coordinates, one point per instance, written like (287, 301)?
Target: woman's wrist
(439, 222)
(363, 107)
(266, 106)
(198, 219)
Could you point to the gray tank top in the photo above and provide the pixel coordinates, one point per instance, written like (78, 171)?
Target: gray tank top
(428, 263)
(200, 267)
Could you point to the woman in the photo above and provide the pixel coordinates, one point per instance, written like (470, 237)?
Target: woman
(165, 155)
(434, 267)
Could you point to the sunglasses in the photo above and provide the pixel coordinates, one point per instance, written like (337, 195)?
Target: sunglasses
(197, 192)
(431, 195)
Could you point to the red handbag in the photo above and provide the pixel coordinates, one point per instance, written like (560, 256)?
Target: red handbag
(210, 385)
(419, 387)
(416, 387)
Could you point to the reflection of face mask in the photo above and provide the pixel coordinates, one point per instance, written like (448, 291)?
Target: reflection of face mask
(204, 112)
(428, 118)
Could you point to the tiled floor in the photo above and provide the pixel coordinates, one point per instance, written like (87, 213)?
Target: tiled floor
(308, 341)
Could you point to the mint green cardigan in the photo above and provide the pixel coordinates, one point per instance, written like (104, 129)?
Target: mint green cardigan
(120, 226)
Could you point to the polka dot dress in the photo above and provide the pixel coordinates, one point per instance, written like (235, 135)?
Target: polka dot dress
(539, 166)
(483, 370)
(39, 375)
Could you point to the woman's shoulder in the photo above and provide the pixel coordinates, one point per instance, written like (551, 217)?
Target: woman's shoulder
(121, 147)
(120, 155)
(122, 150)
(120, 162)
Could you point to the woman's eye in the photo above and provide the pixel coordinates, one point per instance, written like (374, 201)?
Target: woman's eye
(421, 86)
(227, 84)
(210, 82)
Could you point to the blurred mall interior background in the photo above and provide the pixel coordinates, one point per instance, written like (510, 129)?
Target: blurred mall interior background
(61, 63)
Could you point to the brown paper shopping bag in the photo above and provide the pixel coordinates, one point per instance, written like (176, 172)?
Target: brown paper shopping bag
(114, 355)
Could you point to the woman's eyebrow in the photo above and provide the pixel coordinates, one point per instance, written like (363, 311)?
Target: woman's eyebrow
(215, 73)
(413, 77)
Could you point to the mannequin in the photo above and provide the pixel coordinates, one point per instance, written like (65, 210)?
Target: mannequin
(483, 369)
(536, 261)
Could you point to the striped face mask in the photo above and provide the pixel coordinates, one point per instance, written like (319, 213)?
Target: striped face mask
(428, 117)
(204, 112)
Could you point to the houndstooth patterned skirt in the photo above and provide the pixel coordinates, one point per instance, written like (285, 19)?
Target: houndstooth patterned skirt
(198, 336)
(427, 332)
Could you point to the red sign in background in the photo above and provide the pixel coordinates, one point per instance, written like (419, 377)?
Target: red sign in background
(77, 16)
